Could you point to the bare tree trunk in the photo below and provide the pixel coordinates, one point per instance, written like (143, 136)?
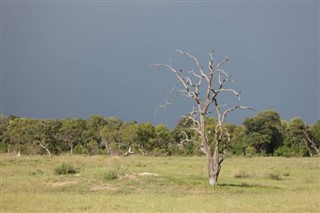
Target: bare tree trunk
(44, 147)
(8, 150)
(71, 149)
(308, 141)
(129, 152)
(306, 144)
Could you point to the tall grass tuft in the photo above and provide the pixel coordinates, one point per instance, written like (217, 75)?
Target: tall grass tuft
(114, 173)
(65, 168)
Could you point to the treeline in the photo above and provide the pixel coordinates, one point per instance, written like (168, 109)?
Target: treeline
(265, 134)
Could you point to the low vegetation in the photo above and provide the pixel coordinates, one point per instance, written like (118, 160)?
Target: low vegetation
(65, 168)
(158, 184)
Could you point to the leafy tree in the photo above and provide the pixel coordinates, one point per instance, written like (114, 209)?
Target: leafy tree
(162, 140)
(93, 126)
(3, 139)
(145, 137)
(71, 132)
(44, 133)
(17, 135)
(180, 135)
(315, 133)
(293, 144)
(264, 132)
(129, 135)
(238, 144)
(110, 135)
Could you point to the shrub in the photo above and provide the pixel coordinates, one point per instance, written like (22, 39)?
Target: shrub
(77, 149)
(251, 151)
(111, 175)
(64, 169)
(286, 174)
(273, 175)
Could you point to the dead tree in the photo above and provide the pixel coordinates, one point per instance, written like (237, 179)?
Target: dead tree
(204, 88)
(308, 142)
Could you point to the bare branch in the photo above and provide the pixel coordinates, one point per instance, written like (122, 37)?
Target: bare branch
(187, 140)
(195, 60)
(166, 100)
(193, 116)
(222, 62)
(225, 113)
(224, 73)
(178, 74)
(229, 90)
(197, 76)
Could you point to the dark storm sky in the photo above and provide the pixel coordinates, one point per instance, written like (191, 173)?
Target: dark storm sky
(63, 59)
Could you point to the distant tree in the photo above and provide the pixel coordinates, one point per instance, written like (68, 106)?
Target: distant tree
(162, 140)
(204, 88)
(299, 139)
(145, 137)
(3, 124)
(43, 133)
(237, 143)
(311, 137)
(263, 132)
(183, 138)
(315, 134)
(16, 135)
(71, 132)
(93, 126)
(129, 137)
(293, 142)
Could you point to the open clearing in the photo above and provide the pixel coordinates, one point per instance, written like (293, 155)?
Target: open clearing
(159, 184)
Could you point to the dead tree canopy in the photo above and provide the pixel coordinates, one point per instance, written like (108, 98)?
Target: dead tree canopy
(204, 88)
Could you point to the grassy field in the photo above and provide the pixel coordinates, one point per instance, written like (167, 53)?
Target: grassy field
(158, 184)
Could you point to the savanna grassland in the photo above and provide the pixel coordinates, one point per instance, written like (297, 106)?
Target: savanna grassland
(158, 184)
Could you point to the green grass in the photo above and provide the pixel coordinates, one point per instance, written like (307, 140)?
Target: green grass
(158, 184)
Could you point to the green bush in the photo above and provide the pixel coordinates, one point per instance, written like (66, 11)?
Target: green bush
(65, 168)
(111, 175)
(77, 149)
(293, 151)
(251, 151)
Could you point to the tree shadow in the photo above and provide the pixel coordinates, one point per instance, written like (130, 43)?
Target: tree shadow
(246, 185)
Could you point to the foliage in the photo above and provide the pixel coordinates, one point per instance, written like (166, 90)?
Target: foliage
(264, 131)
(263, 134)
(315, 133)
(251, 151)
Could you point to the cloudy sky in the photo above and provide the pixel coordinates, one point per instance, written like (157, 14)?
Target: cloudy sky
(62, 59)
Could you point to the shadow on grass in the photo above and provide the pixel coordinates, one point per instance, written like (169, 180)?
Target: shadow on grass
(246, 185)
